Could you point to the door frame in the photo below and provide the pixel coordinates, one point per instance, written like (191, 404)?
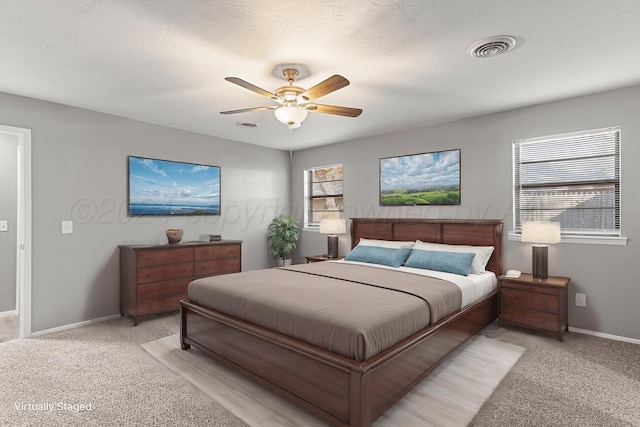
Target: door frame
(23, 227)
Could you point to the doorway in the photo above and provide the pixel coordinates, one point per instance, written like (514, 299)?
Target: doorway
(15, 242)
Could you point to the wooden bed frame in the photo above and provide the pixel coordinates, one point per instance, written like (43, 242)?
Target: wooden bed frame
(339, 390)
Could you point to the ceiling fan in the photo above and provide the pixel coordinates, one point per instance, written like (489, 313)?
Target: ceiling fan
(295, 102)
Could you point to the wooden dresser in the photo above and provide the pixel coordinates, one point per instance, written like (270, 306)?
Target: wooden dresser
(536, 304)
(154, 278)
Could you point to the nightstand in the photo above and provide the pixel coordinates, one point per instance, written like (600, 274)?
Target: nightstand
(319, 258)
(536, 304)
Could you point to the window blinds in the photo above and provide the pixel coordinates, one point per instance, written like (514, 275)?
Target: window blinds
(572, 178)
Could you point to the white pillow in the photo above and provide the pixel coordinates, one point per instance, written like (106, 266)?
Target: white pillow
(386, 243)
(483, 253)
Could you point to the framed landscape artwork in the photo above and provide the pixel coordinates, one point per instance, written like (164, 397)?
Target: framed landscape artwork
(421, 179)
(164, 187)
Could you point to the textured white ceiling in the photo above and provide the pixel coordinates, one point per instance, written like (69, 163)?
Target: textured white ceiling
(165, 61)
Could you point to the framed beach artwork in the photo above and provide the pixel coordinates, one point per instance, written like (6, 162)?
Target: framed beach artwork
(421, 179)
(165, 187)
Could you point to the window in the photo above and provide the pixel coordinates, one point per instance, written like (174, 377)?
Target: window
(322, 194)
(571, 178)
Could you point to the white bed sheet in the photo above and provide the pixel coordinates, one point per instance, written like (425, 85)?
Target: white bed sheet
(473, 286)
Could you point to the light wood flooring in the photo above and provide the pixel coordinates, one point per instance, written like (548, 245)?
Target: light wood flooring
(9, 328)
(451, 395)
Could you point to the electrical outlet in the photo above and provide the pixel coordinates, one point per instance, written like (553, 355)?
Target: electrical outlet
(4, 226)
(581, 300)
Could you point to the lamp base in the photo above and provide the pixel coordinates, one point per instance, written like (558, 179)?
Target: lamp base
(540, 265)
(332, 246)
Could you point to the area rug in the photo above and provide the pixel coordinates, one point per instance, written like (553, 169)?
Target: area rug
(450, 396)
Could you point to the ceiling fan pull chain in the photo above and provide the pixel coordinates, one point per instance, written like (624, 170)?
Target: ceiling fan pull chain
(290, 145)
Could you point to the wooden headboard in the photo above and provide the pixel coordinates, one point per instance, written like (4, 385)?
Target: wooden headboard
(476, 232)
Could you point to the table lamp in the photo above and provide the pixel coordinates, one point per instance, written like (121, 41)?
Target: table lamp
(540, 234)
(332, 227)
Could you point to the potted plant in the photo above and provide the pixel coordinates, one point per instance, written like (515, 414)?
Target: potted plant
(283, 233)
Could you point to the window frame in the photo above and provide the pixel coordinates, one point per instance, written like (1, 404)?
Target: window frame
(611, 237)
(308, 205)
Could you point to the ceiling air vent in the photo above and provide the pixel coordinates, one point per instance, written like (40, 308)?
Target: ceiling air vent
(492, 46)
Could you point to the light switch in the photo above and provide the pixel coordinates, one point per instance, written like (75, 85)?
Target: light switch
(67, 227)
(4, 226)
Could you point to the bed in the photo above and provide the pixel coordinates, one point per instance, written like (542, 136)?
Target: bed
(338, 387)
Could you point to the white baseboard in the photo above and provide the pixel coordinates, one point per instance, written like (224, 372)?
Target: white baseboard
(116, 316)
(603, 335)
(75, 325)
(9, 313)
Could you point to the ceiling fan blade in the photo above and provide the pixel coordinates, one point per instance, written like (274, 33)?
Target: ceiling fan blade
(246, 110)
(332, 109)
(253, 88)
(323, 88)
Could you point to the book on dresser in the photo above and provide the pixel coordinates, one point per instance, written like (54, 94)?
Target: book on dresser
(153, 278)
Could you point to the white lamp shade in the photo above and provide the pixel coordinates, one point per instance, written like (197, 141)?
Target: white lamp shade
(541, 232)
(332, 226)
(290, 114)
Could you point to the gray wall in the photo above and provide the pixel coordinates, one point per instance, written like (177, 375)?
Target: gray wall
(79, 164)
(79, 174)
(607, 274)
(8, 212)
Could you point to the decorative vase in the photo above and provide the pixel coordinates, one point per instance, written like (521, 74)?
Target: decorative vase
(174, 235)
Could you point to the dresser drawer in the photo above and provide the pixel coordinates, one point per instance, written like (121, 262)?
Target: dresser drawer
(156, 257)
(164, 272)
(532, 300)
(160, 305)
(529, 318)
(213, 252)
(164, 288)
(217, 266)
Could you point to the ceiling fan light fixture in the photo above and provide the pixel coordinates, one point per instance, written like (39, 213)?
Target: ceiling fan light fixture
(290, 114)
(294, 100)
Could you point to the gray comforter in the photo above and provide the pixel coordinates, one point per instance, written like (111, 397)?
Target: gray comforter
(353, 310)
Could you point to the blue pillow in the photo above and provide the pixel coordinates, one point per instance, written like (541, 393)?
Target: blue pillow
(378, 255)
(449, 262)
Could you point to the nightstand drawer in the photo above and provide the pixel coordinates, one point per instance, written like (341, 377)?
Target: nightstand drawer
(529, 318)
(533, 300)
(531, 287)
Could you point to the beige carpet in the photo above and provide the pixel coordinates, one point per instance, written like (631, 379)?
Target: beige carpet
(451, 396)
(104, 366)
(9, 328)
